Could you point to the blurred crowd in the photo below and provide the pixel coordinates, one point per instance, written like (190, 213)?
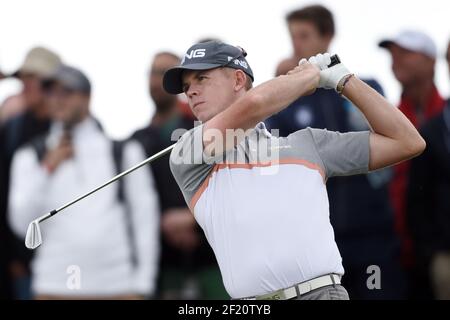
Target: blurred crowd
(137, 239)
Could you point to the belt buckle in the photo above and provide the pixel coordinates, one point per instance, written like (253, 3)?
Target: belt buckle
(276, 295)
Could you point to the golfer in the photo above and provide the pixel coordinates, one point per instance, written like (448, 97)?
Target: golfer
(270, 230)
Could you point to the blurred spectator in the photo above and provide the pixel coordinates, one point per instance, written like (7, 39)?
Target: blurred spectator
(188, 266)
(30, 120)
(38, 64)
(413, 61)
(4, 278)
(428, 206)
(12, 106)
(360, 211)
(105, 247)
(447, 56)
(311, 29)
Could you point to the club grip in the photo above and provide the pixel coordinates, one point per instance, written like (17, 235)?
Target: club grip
(334, 60)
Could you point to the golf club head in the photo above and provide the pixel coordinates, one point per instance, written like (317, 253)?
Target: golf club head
(33, 239)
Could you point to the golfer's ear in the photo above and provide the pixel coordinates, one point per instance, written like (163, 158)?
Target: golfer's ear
(240, 79)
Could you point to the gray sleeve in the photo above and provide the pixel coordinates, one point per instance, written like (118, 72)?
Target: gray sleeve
(342, 154)
(187, 163)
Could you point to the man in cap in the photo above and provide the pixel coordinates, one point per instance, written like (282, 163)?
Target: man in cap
(413, 60)
(428, 207)
(108, 248)
(22, 117)
(244, 203)
(39, 63)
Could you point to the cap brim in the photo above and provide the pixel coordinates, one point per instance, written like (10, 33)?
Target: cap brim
(172, 81)
(386, 43)
(22, 70)
(48, 82)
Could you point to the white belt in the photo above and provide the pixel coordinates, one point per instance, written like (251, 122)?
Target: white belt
(300, 289)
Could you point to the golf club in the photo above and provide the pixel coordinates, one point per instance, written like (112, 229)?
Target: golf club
(33, 238)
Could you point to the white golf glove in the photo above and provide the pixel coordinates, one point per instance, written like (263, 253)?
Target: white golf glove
(329, 76)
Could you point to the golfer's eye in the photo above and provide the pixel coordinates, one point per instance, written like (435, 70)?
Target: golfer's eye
(200, 78)
(185, 88)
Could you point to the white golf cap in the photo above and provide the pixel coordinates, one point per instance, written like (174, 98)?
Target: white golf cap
(412, 40)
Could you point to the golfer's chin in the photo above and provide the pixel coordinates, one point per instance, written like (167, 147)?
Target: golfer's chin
(203, 116)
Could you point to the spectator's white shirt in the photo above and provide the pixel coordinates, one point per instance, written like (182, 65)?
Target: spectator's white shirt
(86, 248)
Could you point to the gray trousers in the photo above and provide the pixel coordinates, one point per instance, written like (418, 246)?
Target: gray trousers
(336, 292)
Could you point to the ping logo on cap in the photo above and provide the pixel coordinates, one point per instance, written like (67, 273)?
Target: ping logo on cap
(197, 53)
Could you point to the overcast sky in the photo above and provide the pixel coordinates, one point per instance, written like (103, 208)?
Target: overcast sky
(113, 41)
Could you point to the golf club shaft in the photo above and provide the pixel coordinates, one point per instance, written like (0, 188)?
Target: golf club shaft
(117, 177)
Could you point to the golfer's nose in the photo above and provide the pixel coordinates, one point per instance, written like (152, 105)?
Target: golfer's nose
(192, 91)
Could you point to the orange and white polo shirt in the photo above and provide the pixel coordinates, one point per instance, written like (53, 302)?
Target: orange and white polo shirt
(268, 223)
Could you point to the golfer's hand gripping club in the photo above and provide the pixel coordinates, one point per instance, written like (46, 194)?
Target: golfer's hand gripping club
(332, 71)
